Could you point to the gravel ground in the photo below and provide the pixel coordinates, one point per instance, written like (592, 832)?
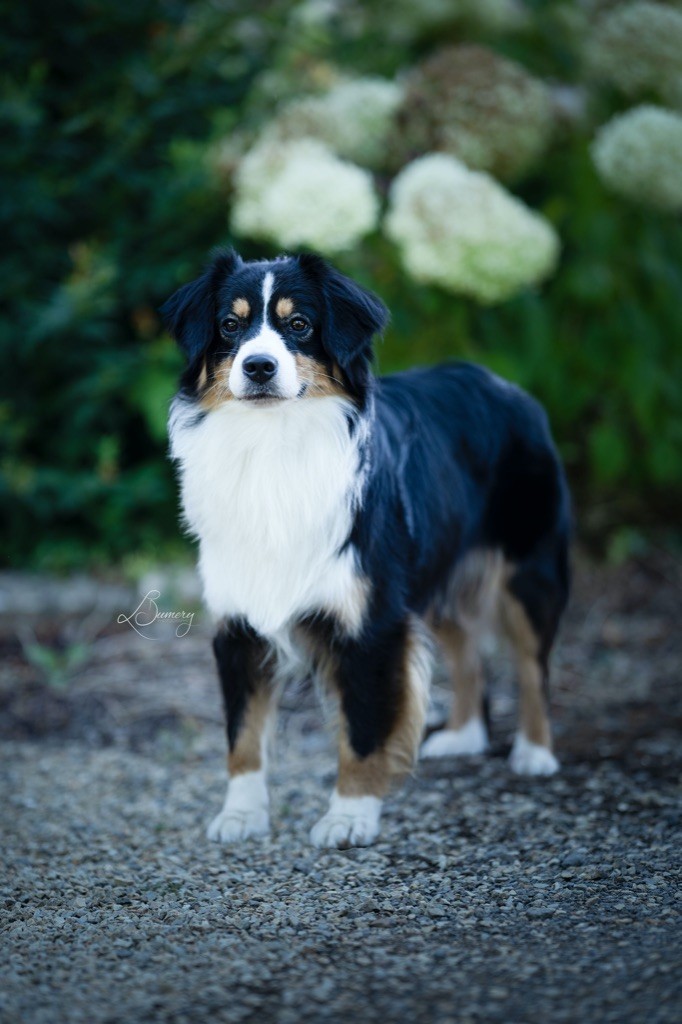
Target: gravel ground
(488, 898)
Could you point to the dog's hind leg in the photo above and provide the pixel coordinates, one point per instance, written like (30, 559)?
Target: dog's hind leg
(459, 624)
(465, 732)
(531, 606)
(382, 680)
(246, 668)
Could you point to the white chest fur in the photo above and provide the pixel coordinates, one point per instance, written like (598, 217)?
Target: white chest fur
(270, 492)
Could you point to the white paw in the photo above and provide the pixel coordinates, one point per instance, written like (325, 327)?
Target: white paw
(350, 821)
(245, 811)
(231, 826)
(528, 758)
(470, 739)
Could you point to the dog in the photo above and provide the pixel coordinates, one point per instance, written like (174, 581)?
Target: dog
(345, 519)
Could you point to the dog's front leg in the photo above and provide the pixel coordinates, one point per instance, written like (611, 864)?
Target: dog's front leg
(382, 681)
(246, 670)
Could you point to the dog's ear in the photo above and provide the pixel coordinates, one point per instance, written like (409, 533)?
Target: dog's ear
(189, 314)
(353, 314)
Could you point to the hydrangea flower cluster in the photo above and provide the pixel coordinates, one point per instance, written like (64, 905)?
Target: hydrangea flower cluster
(639, 155)
(461, 230)
(354, 119)
(638, 48)
(301, 194)
(479, 107)
(409, 20)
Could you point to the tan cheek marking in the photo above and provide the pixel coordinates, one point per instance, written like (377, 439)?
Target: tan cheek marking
(284, 307)
(218, 392)
(203, 376)
(241, 307)
(319, 379)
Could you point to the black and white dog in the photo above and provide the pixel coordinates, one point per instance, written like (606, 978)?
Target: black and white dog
(344, 519)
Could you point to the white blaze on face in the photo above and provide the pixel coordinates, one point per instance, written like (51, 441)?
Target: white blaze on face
(267, 342)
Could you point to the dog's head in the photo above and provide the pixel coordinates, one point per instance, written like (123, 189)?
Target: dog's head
(271, 331)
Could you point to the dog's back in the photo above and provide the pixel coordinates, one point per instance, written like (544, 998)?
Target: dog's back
(470, 460)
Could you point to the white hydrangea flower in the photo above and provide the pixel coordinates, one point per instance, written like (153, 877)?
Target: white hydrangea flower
(461, 230)
(409, 20)
(497, 15)
(479, 107)
(638, 48)
(353, 119)
(639, 155)
(301, 194)
(313, 13)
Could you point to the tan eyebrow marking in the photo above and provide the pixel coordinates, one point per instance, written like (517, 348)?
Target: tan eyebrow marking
(241, 307)
(284, 307)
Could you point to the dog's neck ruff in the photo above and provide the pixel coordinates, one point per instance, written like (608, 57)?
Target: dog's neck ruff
(271, 492)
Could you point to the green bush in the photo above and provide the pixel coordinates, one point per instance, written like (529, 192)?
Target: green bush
(102, 218)
(122, 126)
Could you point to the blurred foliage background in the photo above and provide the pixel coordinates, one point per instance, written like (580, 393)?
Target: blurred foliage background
(138, 136)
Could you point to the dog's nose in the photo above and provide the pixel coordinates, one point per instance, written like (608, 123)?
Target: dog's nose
(259, 368)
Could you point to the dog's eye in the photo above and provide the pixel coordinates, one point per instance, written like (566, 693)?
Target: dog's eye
(230, 325)
(298, 324)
